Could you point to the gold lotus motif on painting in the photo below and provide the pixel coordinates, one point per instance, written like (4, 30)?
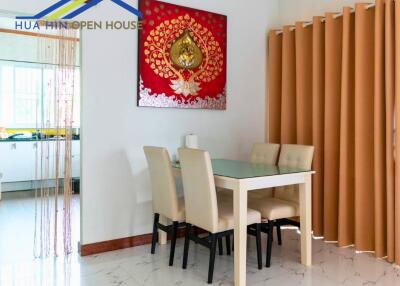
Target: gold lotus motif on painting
(185, 52)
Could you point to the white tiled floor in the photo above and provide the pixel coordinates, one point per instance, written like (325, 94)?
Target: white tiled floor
(136, 266)
(17, 224)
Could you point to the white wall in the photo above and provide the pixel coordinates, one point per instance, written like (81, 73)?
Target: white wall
(116, 188)
(304, 10)
(116, 195)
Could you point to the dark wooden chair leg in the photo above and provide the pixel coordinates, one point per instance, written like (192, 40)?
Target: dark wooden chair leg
(272, 236)
(269, 242)
(258, 243)
(278, 232)
(213, 250)
(155, 233)
(228, 244)
(196, 232)
(220, 250)
(186, 248)
(173, 242)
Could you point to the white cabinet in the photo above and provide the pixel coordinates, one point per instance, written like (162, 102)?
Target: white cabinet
(76, 159)
(1, 178)
(18, 159)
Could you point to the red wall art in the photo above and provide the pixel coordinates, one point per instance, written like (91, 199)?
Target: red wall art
(182, 57)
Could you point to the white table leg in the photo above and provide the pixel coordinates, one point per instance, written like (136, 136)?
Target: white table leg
(240, 235)
(162, 235)
(305, 220)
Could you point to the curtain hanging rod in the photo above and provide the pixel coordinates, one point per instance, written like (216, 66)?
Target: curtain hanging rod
(310, 23)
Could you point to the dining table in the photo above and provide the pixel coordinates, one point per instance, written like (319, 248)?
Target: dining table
(243, 177)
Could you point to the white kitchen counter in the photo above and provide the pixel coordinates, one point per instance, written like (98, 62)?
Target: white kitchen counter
(19, 160)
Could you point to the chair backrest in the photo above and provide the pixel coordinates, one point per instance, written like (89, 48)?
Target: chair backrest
(199, 189)
(265, 153)
(294, 156)
(165, 198)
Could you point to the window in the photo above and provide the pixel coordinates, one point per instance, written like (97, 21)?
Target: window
(27, 95)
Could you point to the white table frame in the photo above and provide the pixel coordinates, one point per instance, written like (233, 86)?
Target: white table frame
(240, 188)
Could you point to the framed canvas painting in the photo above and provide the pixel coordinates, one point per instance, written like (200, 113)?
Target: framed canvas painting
(182, 57)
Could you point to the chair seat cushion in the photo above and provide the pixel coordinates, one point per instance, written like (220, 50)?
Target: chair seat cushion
(181, 209)
(226, 219)
(227, 195)
(224, 195)
(224, 192)
(259, 194)
(273, 208)
(179, 215)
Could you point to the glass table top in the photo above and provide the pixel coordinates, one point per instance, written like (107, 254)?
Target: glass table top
(244, 170)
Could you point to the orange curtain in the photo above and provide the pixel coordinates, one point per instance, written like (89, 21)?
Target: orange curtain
(333, 54)
(347, 133)
(318, 127)
(335, 84)
(288, 97)
(275, 86)
(304, 84)
(394, 209)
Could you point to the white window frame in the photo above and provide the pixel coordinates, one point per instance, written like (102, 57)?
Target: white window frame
(13, 122)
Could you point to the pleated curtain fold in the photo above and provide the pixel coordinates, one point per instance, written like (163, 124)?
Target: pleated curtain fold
(335, 84)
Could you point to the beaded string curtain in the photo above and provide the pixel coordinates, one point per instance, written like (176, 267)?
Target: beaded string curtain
(53, 170)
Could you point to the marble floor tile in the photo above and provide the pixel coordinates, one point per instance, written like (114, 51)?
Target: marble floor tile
(136, 266)
(17, 225)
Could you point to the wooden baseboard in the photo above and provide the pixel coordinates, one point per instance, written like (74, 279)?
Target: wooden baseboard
(115, 244)
(121, 243)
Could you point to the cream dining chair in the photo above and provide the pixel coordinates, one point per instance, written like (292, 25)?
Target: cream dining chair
(264, 153)
(165, 198)
(261, 153)
(285, 203)
(203, 209)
